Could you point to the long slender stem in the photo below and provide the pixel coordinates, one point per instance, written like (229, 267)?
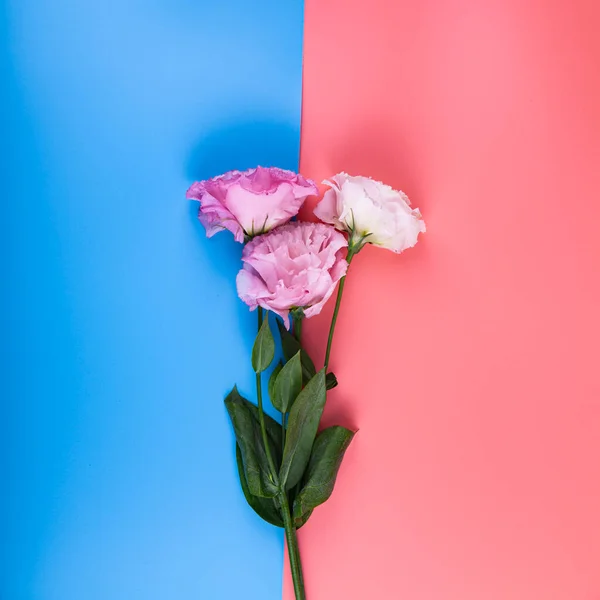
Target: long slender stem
(261, 415)
(292, 546)
(336, 310)
(297, 330)
(290, 530)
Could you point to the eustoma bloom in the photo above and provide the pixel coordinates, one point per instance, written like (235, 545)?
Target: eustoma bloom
(287, 467)
(251, 202)
(296, 266)
(371, 212)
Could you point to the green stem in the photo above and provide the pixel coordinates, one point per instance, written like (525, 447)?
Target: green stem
(292, 546)
(261, 415)
(336, 310)
(290, 530)
(297, 330)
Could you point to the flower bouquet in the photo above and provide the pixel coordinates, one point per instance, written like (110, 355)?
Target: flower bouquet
(287, 467)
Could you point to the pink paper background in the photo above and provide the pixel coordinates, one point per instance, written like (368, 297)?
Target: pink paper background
(469, 363)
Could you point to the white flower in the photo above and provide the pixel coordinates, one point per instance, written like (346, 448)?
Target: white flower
(371, 212)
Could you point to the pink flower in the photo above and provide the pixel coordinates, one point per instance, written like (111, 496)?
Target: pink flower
(371, 212)
(251, 202)
(295, 266)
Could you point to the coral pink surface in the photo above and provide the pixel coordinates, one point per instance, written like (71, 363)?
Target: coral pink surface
(469, 363)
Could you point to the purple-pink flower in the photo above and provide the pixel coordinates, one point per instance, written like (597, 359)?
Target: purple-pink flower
(251, 202)
(295, 266)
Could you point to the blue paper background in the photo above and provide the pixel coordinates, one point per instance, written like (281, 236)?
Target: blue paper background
(121, 327)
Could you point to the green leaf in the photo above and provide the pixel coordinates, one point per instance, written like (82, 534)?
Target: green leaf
(272, 380)
(303, 423)
(248, 436)
(288, 384)
(263, 507)
(319, 479)
(290, 346)
(331, 381)
(263, 350)
(301, 520)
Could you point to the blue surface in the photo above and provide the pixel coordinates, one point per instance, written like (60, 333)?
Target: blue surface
(122, 330)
